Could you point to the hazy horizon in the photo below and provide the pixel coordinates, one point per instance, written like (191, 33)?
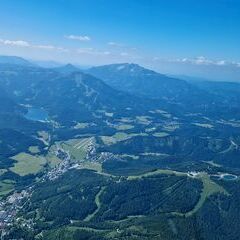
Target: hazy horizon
(181, 38)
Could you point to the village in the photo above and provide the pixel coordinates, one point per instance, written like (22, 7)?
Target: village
(10, 206)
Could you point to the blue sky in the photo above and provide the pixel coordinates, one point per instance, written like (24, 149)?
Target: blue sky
(173, 36)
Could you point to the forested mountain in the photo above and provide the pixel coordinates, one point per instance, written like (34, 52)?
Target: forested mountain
(141, 81)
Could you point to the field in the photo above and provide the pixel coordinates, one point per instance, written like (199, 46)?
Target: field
(120, 136)
(91, 166)
(6, 187)
(122, 127)
(51, 157)
(209, 188)
(77, 147)
(81, 125)
(27, 164)
(160, 134)
(143, 120)
(33, 149)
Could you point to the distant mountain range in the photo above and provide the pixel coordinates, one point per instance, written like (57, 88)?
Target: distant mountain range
(17, 77)
(67, 93)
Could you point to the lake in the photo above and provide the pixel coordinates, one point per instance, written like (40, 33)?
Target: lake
(37, 114)
(229, 177)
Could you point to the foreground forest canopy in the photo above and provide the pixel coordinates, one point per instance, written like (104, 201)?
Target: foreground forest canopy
(117, 152)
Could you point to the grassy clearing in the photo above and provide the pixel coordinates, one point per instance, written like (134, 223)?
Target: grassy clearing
(81, 125)
(91, 166)
(126, 120)
(34, 149)
(78, 151)
(43, 134)
(77, 147)
(145, 120)
(51, 157)
(6, 187)
(68, 232)
(160, 134)
(119, 136)
(171, 127)
(123, 127)
(74, 228)
(163, 113)
(159, 171)
(148, 130)
(109, 114)
(98, 203)
(209, 188)
(27, 164)
(44, 137)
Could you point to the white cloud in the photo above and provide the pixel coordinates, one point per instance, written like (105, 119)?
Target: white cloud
(79, 38)
(21, 43)
(221, 63)
(18, 43)
(205, 61)
(201, 61)
(48, 47)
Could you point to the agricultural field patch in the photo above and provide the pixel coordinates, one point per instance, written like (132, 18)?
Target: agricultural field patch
(160, 134)
(34, 149)
(77, 147)
(122, 127)
(120, 136)
(27, 164)
(6, 186)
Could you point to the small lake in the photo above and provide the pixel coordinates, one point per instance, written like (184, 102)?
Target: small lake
(229, 177)
(37, 114)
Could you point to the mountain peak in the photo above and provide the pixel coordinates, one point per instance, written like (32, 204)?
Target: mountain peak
(67, 69)
(131, 69)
